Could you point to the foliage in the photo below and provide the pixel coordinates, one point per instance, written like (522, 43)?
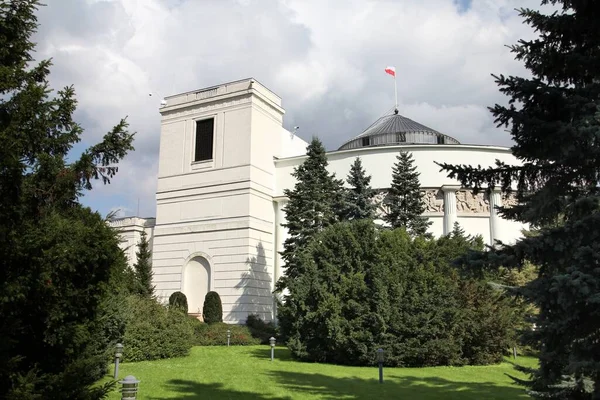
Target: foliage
(178, 301)
(215, 334)
(59, 262)
(154, 331)
(315, 203)
(554, 121)
(363, 288)
(143, 268)
(359, 197)
(260, 329)
(404, 198)
(212, 310)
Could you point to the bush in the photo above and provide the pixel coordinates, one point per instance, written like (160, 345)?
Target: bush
(215, 334)
(212, 311)
(178, 301)
(360, 288)
(154, 331)
(260, 329)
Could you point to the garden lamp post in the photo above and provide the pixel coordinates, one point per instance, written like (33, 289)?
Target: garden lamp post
(228, 336)
(272, 342)
(118, 355)
(129, 388)
(380, 362)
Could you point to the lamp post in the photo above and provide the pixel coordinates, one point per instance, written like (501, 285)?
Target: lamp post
(228, 336)
(272, 342)
(380, 362)
(129, 388)
(118, 355)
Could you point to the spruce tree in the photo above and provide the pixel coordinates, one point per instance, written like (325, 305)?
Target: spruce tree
(143, 268)
(59, 261)
(404, 199)
(359, 197)
(554, 121)
(316, 202)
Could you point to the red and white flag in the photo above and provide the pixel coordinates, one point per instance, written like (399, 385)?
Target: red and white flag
(391, 71)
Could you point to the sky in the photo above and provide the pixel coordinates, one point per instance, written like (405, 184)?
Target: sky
(325, 59)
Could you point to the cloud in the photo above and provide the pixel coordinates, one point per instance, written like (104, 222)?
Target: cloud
(325, 59)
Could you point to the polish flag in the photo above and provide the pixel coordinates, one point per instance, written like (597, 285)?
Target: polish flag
(391, 71)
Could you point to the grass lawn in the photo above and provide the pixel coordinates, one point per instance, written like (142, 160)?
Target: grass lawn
(247, 373)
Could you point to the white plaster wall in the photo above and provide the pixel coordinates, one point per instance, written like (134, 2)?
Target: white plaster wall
(290, 145)
(378, 162)
(130, 230)
(220, 210)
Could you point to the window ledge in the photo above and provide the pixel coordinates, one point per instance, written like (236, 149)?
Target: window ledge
(202, 164)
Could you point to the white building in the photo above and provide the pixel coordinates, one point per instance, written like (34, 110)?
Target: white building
(225, 160)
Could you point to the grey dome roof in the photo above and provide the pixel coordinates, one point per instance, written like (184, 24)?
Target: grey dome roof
(394, 129)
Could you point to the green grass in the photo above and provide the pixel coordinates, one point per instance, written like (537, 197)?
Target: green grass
(247, 373)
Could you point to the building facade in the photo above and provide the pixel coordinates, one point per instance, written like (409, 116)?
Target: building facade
(225, 161)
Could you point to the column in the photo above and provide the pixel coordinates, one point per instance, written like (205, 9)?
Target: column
(495, 201)
(449, 207)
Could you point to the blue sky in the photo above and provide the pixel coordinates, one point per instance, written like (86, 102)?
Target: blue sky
(325, 59)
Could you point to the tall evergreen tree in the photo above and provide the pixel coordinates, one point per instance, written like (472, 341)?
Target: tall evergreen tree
(316, 202)
(404, 199)
(359, 197)
(59, 261)
(554, 120)
(143, 268)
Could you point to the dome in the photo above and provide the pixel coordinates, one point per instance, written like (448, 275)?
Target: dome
(394, 129)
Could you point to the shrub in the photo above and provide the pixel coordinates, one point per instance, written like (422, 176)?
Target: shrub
(154, 331)
(360, 288)
(212, 311)
(260, 329)
(215, 334)
(178, 301)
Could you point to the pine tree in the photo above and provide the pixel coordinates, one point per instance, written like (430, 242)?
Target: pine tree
(59, 261)
(359, 204)
(404, 199)
(143, 268)
(316, 202)
(554, 121)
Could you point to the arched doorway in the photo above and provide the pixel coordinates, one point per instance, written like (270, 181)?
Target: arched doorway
(196, 283)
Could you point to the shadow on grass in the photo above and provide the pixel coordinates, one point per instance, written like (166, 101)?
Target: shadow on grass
(330, 388)
(282, 353)
(327, 387)
(189, 390)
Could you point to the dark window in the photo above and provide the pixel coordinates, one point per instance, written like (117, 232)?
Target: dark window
(400, 137)
(440, 140)
(365, 141)
(204, 139)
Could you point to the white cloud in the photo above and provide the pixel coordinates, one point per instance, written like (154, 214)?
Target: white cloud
(325, 59)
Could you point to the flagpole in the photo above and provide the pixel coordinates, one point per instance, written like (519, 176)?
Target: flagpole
(395, 94)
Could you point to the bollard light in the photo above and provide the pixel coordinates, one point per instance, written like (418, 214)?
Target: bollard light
(129, 388)
(118, 355)
(380, 362)
(272, 342)
(228, 336)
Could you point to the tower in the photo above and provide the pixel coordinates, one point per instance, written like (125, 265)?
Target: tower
(215, 217)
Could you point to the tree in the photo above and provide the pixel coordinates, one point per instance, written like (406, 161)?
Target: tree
(212, 310)
(59, 261)
(404, 199)
(359, 204)
(315, 203)
(143, 268)
(178, 300)
(365, 288)
(554, 121)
